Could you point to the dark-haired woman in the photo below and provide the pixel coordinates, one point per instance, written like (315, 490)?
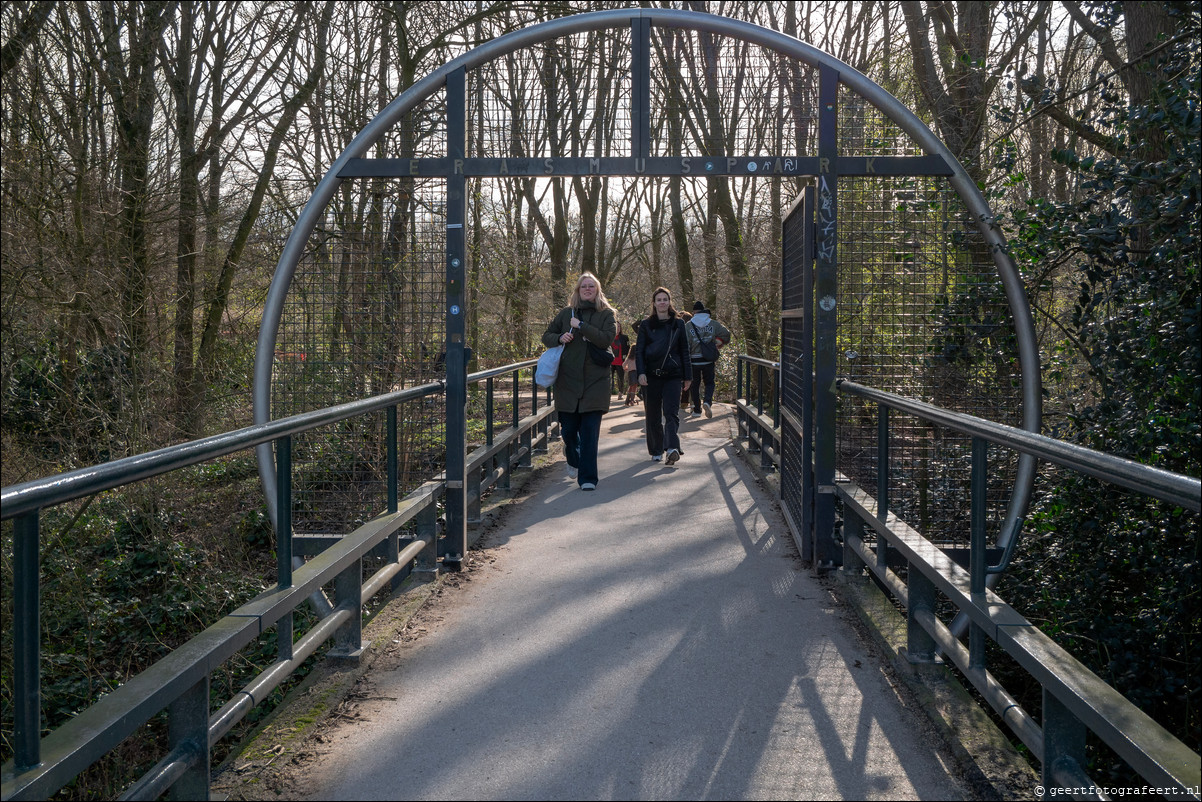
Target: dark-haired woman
(662, 356)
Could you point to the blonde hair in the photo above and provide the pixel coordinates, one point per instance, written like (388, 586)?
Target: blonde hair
(601, 302)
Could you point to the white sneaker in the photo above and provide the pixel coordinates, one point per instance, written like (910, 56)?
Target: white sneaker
(573, 472)
(709, 413)
(657, 458)
(588, 486)
(673, 456)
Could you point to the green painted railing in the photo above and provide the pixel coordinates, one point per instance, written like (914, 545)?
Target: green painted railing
(179, 683)
(1075, 700)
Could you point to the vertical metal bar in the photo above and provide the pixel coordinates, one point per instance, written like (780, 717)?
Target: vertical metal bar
(640, 90)
(776, 396)
(759, 388)
(882, 482)
(27, 628)
(348, 595)
(739, 392)
(427, 526)
(455, 544)
(488, 410)
(1063, 742)
(977, 561)
(283, 494)
(920, 596)
(826, 319)
(188, 725)
(809, 193)
(853, 529)
(284, 636)
(393, 472)
(517, 411)
(394, 540)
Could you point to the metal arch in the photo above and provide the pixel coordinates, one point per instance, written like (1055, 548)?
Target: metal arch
(894, 109)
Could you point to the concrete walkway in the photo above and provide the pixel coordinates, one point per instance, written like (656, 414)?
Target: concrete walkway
(655, 639)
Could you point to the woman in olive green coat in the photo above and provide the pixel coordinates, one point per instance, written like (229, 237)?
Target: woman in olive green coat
(582, 384)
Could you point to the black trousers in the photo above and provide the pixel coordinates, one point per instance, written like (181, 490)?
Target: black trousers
(661, 405)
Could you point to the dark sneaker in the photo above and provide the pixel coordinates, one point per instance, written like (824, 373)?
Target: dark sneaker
(673, 456)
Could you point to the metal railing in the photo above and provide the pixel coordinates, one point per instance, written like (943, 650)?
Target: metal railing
(1075, 700)
(179, 682)
(758, 386)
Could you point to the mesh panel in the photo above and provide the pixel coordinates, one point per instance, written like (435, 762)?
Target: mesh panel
(865, 131)
(746, 85)
(566, 97)
(922, 314)
(364, 316)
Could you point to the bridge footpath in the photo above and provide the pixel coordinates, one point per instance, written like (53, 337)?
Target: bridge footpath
(655, 639)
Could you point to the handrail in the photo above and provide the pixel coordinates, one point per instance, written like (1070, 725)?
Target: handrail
(1184, 491)
(1075, 699)
(755, 360)
(180, 679)
(50, 491)
(22, 498)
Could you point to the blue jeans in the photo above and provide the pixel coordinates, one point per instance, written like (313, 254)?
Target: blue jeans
(661, 405)
(702, 373)
(581, 432)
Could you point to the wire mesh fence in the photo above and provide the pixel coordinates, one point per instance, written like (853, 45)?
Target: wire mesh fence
(365, 316)
(922, 314)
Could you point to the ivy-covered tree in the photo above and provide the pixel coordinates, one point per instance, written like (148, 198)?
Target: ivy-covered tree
(1117, 573)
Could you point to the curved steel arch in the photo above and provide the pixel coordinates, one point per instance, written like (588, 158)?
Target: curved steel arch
(788, 46)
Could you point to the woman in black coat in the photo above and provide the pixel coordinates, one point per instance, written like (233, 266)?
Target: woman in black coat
(664, 369)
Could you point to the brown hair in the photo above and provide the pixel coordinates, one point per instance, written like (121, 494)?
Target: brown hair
(671, 309)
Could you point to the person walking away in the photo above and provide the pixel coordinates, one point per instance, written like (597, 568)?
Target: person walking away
(662, 357)
(582, 384)
(621, 349)
(703, 327)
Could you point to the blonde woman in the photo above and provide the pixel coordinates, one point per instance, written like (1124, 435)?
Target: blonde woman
(582, 385)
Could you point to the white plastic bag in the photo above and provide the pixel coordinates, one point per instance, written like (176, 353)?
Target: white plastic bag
(548, 366)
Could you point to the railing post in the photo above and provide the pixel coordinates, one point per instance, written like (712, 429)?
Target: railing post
(27, 678)
(488, 410)
(393, 477)
(882, 485)
(283, 535)
(853, 529)
(777, 380)
(454, 545)
(473, 491)
(348, 595)
(427, 526)
(759, 389)
(977, 555)
(188, 726)
(1063, 744)
(394, 540)
(920, 646)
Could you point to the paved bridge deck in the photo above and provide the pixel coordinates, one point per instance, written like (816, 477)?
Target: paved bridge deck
(655, 639)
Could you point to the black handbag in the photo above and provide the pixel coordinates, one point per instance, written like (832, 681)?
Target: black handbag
(600, 356)
(709, 351)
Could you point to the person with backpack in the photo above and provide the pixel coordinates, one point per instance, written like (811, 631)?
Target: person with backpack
(662, 356)
(706, 335)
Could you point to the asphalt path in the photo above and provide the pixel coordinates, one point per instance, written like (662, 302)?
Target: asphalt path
(657, 638)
